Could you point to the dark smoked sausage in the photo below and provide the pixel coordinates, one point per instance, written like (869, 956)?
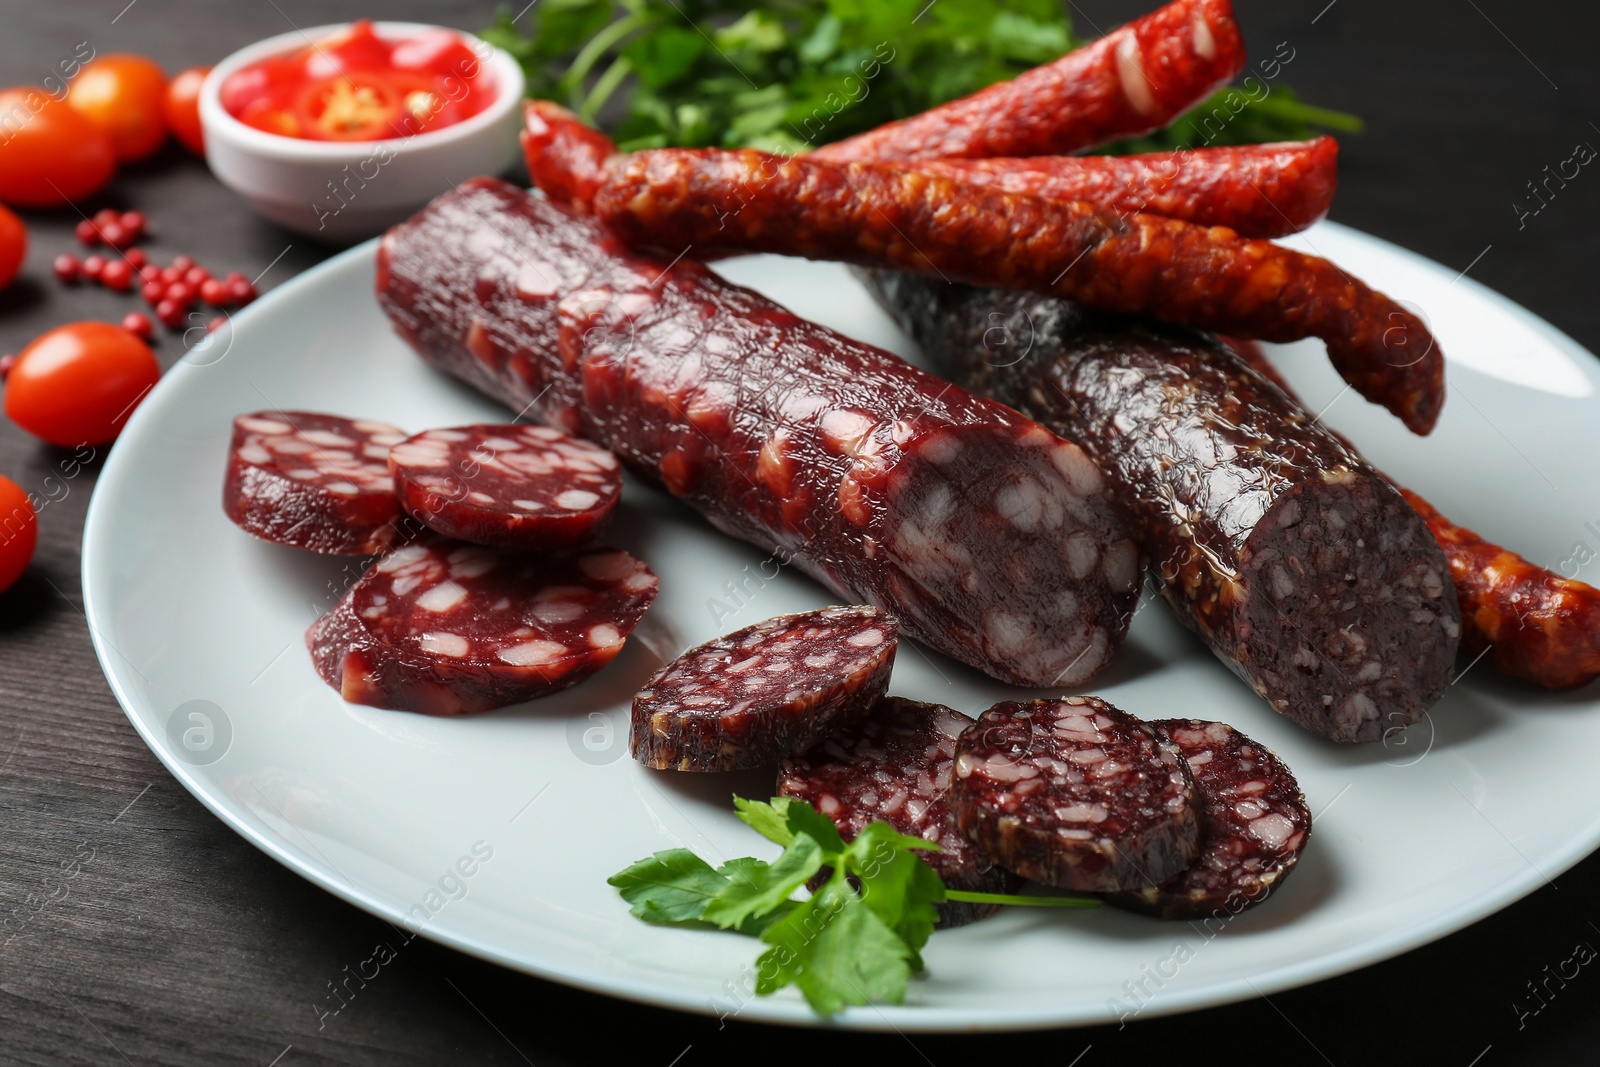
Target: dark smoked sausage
(1134, 80)
(1539, 626)
(1296, 562)
(711, 202)
(984, 534)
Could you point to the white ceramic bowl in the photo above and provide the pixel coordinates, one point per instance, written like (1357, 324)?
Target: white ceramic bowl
(346, 191)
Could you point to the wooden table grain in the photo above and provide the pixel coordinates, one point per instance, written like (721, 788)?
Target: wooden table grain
(135, 928)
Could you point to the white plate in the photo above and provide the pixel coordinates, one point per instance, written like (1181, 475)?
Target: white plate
(1463, 814)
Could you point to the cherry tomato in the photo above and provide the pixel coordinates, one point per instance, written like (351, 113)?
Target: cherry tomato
(126, 96)
(183, 108)
(77, 384)
(19, 532)
(13, 246)
(50, 154)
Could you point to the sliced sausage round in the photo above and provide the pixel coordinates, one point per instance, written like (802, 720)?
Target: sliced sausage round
(1254, 824)
(1075, 793)
(515, 487)
(319, 482)
(764, 692)
(894, 765)
(446, 628)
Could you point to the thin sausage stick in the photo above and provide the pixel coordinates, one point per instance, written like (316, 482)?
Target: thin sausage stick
(1134, 80)
(876, 216)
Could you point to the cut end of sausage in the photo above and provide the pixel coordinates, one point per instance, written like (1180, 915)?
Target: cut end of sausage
(1349, 624)
(1076, 794)
(1254, 824)
(517, 487)
(764, 692)
(313, 481)
(1054, 608)
(894, 765)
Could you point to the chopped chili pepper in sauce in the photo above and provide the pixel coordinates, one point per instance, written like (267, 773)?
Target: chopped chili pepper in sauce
(359, 86)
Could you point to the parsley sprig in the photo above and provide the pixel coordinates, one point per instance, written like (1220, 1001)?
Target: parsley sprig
(857, 939)
(800, 73)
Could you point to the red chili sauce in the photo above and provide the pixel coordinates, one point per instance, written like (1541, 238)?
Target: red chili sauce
(357, 86)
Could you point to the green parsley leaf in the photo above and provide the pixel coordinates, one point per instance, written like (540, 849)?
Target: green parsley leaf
(665, 57)
(856, 940)
(895, 885)
(670, 887)
(784, 817)
(836, 951)
(755, 888)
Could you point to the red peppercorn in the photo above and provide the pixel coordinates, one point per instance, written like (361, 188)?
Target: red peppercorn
(149, 273)
(181, 264)
(216, 324)
(135, 223)
(153, 293)
(136, 258)
(114, 235)
(171, 314)
(234, 277)
(195, 277)
(139, 325)
(242, 292)
(107, 215)
(66, 269)
(214, 293)
(87, 232)
(117, 276)
(171, 275)
(7, 361)
(181, 294)
(92, 266)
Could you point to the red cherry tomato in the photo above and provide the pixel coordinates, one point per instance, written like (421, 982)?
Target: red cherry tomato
(183, 108)
(126, 96)
(77, 384)
(13, 246)
(19, 532)
(50, 154)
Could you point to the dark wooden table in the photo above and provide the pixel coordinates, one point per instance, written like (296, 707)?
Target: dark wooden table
(177, 942)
